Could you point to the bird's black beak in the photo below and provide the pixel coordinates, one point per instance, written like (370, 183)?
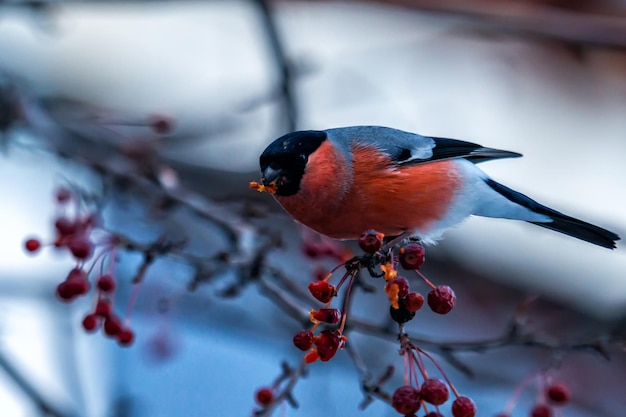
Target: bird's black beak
(272, 177)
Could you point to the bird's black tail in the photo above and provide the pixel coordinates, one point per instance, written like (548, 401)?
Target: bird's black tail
(560, 222)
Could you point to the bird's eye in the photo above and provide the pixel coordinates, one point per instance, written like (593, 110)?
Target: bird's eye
(303, 157)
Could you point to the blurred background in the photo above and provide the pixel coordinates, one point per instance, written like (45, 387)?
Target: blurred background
(159, 111)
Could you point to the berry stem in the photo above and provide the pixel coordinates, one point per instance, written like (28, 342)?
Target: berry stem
(510, 405)
(131, 303)
(445, 376)
(426, 280)
(346, 301)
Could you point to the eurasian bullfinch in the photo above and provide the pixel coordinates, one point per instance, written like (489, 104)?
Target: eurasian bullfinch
(342, 182)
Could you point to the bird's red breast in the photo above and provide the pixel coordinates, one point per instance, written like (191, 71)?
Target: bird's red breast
(342, 200)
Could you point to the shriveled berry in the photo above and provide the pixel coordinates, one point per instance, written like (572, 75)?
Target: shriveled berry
(303, 340)
(434, 391)
(414, 301)
(103, 308)
(112, 325)
(327, 344)
(90, 322)
(32, 245)
(442, 299)
(81, 248)
(463, 407)
(326, 315)
(322, 291)
(264, 396)
(401, 314)
(412, 256)
(106, 283)
(403, 286)
(541, 410)
(406, 400)
(125, 337)
(62, 195)
(371, 241)
(558, 393)
(65, 227)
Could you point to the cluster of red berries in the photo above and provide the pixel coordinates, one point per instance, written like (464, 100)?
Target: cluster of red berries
(432, 392)
(74, 235)
(551, 396)
(404, 302)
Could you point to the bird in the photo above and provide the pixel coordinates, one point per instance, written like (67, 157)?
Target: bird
(343, 181)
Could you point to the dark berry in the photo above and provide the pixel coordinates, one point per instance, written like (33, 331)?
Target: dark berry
(558, 393)
(303, 340)
(541, 410)
(326, 315)
(264, 396)
(403, 286)
(414, 301)
(441, 300)
(65, 292)
(161, 124)
(412, 256)
(32, 245)
(434, 391)
(401, 314)
(322, 291)
(371, 241)
(406, 400)
(463, 407)
(103, 308)
(64, 226)
(125, 337)
(106, 283)
(327, 344)
(81, 248)
(112, 325)
(90, 322)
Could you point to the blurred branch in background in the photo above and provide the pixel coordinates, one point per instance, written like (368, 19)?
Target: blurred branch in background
(561, 20)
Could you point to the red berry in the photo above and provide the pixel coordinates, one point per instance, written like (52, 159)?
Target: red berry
(65, 292)
(90, 322)
(558, 393)
(303, 340)
(441, 300)
(406, 400)
(76, 274)
(463, 407)
(322, 291)
(412, 256)
(64, 226)
(414, 301)
(371, 241)
(81, 248)
(77, 282)
(112, 325)
(264, 396)
(106, 283)
(327, 344)
(32, 245)
(541, 410)
(125, 337)
(434, 391)
(62, 195)
(326, 315)
(403, 286)
(103, 308)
